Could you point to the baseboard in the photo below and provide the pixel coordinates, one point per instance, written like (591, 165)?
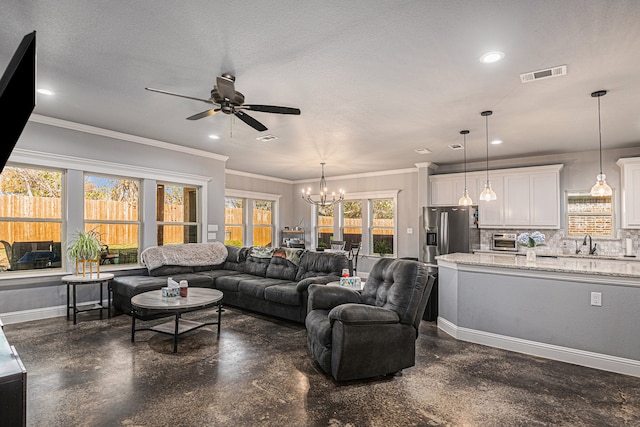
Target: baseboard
(589, 359)
(38, 313)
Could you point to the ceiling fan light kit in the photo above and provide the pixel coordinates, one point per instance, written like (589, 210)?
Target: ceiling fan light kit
(465, 200)
(487, 194)
(601, 188)
(323, 200)
(230, 101)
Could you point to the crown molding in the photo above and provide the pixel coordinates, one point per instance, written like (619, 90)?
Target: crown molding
(360, 175)
(79, 127)
(258, 176)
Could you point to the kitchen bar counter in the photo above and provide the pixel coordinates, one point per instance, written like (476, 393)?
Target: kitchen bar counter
(553, 254)
(576, 310)
(580, 265)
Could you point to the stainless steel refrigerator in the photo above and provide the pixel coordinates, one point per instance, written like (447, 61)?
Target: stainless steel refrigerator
(446, 230)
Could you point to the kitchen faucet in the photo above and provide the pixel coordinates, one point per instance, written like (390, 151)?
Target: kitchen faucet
(592, 247)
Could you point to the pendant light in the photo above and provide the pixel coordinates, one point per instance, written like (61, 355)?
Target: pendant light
(465, 200)
(487, 194)
(600, 189)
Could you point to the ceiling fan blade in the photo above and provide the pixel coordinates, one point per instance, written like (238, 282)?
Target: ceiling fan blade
(203, 114)
(208, 101)
(226, 87)
(251, 121)
(272, 109)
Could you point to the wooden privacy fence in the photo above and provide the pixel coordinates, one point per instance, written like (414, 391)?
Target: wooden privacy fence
(18, 206)
(261, 235)
(354, 225)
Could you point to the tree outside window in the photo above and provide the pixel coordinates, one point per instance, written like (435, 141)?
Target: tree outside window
(111, 209)
(352, 222)
(30, 218)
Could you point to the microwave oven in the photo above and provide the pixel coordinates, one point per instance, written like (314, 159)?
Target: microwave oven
(504, 242)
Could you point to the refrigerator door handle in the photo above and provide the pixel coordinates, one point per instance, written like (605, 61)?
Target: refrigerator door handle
(444, 232)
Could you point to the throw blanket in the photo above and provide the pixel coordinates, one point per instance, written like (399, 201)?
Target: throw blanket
(187, 255)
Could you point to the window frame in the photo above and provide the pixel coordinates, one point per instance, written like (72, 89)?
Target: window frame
(249, 197)
(586, 193)
(197, 223)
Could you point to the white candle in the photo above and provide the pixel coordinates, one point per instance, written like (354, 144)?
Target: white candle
(629, 246)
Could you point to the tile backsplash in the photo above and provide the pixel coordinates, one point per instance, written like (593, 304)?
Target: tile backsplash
(557, 242)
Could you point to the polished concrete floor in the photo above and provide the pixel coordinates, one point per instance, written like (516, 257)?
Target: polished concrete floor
(259, 373)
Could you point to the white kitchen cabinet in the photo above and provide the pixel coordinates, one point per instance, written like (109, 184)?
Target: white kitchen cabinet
(447, 189)
(630, 192)
(526, 197)
(491, 214)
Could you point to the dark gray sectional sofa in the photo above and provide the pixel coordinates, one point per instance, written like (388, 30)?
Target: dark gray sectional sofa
(264, 280)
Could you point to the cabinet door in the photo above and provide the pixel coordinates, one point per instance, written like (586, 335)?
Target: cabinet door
(442, 192)
(517, 199)
(545, 200)
(630, 193)
(491, 214)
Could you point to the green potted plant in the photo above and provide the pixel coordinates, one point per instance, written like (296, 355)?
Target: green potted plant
(86, 247)
(321, 246)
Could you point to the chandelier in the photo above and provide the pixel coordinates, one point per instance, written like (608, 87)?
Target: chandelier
(323, 200)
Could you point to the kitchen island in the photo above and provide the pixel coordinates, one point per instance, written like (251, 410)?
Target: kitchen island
(548, 308)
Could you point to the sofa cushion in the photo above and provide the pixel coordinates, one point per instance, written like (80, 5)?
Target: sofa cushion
(157, 258)
(230, 283)
(215, 274)
(284, 263)
(283, 294)
(258, 260)
(134, 285)
(168, 270)
(235, 258)
(320, 264)
(255, 287)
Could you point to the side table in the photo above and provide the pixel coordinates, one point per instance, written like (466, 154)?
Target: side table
(73, 281)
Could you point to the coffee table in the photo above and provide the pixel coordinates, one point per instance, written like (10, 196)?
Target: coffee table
(154, 303)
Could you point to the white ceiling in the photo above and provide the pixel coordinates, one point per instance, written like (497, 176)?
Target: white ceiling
(374, 80)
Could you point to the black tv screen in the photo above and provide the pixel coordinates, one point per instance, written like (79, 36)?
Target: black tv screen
(17, 95)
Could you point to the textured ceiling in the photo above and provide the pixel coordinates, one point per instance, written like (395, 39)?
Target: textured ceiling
(374, 80)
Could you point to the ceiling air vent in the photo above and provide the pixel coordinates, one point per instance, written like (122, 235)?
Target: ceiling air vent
(422, 150)
(558, 71)
(266, 138)
(456, 146)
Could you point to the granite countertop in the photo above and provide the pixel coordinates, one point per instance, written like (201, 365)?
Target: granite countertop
(551, 254)
(596, 266)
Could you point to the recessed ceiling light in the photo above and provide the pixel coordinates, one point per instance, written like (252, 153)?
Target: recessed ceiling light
(490, 57)
(496, 142)
(46, 92)
(212, 136)
(422, 150)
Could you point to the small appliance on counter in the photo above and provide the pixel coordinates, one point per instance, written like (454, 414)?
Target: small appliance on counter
(504, 242)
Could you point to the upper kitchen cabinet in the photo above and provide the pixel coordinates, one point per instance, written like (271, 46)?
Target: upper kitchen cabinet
(630, 183)
(527, 197)
(447, 189)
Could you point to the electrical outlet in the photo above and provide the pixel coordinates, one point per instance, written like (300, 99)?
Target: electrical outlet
(409, 230)
(596, 299)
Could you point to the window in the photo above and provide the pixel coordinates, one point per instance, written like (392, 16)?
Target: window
(587, 214)
(30, 218)
(176, 214)
(325, 221)
(263, 223)
(382, 226)
(352, 222)
(233, 221)
(111, 209)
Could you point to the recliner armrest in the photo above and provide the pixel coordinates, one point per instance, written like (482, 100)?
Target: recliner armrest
(327, 297)
(319, 280)
(363, 314)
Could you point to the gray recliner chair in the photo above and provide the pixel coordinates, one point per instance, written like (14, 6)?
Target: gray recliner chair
(354, 336)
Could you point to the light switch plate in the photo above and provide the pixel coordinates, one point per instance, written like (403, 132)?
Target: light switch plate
(596, 299)
(212, 227)
(211, 236)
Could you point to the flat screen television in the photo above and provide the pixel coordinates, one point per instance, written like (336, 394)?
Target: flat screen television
(17, 95)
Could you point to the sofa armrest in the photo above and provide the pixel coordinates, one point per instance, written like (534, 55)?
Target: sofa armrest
(327, 297)
(363, 314)
(316, 280)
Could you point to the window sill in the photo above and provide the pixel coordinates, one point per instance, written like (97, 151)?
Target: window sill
(28, 275)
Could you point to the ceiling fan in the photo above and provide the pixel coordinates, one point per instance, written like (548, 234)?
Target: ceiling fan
(230, 101)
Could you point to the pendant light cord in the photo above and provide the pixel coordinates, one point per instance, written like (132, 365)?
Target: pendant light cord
(600, 134)
(486, 127)
(465, 162)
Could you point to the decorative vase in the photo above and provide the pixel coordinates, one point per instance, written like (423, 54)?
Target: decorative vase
(531, 255)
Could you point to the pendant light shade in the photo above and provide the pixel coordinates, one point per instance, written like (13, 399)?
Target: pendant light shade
(465, 200)
(601, 188)
(487, 194)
